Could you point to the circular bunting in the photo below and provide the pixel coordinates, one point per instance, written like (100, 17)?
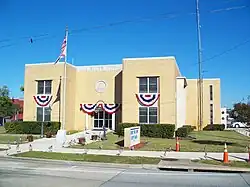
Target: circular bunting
(147, 99)
(42, 100)
(90, 108)
(110, 108)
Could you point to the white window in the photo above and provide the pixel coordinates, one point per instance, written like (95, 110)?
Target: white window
(148, 115)
(43, 114)
(102, 118)
(148, 84)
(44, 87)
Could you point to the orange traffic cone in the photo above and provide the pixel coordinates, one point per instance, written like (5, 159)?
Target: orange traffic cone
(225, 155)
(177, 145)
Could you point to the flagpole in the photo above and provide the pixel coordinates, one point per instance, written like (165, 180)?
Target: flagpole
(59, 117)
(64, 83)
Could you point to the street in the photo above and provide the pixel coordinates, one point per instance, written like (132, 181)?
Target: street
(24, 173)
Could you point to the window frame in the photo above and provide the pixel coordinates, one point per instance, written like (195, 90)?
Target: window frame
(148, 84)
(211, 92)
(104, 119)
(211, 109)
(43, 114)
(44, 86)
(148, 115)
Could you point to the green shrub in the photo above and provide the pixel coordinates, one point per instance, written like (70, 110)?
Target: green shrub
(31, 127)
(189, 128)
(149, 130)
(214, 127)
(182, 132)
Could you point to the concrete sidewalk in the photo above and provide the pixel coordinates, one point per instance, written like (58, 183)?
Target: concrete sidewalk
(45, 143)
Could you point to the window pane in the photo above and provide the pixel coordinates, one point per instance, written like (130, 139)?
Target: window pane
(143, 119)
(143, 85)
(39, 114)
(95, 115)
(95, 123)
(143, 115)
(40, 87)
(153, 119)
(110, 124)
(107, 123)
(47, 114)
(108, 116)
(143, 111)
(211, 92)
(153, 115)
(101, 116)
(48, 87)
(153, 85)
(153, 111)
(100, 123)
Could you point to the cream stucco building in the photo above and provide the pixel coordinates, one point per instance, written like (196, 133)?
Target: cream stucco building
(140, 90)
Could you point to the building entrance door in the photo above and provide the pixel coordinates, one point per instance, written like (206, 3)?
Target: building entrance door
(102, 118)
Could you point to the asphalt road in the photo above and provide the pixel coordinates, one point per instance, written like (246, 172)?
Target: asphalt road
(23, 173)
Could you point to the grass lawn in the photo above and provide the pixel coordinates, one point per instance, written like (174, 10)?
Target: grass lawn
(2, 130)
(212, 140)
(240, 164)
(6, 138)
(90, 158)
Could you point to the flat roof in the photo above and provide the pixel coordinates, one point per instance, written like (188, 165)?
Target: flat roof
(150, 58)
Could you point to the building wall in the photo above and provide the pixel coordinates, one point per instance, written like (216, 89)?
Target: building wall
(47, 71)
(167, 71)
(176, 105)
(192, 102)
(86, 79)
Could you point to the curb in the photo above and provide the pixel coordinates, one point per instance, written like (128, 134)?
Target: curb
(79, 163)
(212, 168)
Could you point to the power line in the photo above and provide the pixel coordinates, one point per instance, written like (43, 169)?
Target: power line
(228, 50)
(135, 20)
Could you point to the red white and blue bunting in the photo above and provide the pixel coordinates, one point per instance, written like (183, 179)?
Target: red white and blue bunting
(90, 108)
(42, 100)
(110, 108)
(147, 99)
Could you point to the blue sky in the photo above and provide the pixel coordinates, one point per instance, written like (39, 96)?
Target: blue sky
(108, 45)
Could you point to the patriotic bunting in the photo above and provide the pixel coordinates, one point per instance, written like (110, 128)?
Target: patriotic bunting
(110, 108)
(90, 108)
(147, 99)
(42, 100)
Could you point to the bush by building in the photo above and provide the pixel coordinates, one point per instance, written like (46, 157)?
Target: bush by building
(31, 127)
(149, 130)
(214, 127)
(184, 130)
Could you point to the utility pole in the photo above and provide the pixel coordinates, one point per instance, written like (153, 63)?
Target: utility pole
(200, 81)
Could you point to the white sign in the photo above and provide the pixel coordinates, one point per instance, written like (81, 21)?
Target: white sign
(131, 136)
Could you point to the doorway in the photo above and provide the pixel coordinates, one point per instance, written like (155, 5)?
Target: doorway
(102, 118)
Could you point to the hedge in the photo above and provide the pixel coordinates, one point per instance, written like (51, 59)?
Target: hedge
(214, 127)
(184, 130)
(31, 127)
(149, 130)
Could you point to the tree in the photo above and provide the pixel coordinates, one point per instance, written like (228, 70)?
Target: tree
(7, 108)
(4, 91)
(22, 89)
(241, 112)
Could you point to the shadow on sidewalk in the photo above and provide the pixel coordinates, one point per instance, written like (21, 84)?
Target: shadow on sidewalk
(215, 159)
(239, 158)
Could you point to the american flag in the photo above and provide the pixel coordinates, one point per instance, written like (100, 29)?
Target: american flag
(63, 50)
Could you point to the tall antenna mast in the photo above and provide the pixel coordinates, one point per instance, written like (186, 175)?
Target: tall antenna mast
(200, 82)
